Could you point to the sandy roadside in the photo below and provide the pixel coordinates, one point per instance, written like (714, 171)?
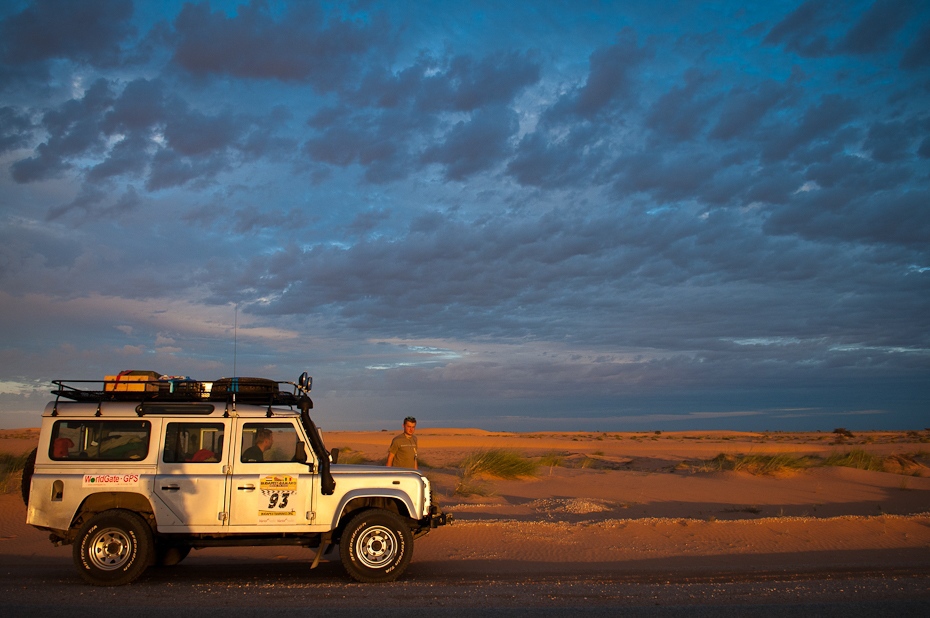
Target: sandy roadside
(641, 513)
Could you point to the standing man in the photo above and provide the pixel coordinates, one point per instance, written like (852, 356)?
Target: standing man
(403, 451)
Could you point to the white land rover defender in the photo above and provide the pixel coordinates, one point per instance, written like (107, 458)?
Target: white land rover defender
(138, 469)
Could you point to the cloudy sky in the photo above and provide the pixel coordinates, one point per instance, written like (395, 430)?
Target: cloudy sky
(522, 216)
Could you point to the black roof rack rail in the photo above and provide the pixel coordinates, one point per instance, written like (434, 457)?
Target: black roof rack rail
(173, 390)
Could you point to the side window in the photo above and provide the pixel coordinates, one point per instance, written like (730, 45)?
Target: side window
(100, 440)
(268, 442)
(194, 442)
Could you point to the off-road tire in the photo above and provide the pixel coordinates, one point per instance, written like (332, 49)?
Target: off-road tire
(113, 548)
(28, 470)
(376, 546)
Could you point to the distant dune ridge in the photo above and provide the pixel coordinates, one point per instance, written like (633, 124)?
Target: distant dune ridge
(611, 502)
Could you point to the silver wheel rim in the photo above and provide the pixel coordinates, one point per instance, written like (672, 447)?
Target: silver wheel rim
(110, 549)
(376, 547)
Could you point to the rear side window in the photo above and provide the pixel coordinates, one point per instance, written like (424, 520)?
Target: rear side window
(194, 442)
(100, 440)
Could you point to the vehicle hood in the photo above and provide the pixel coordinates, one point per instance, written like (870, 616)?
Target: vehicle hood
(362, 469)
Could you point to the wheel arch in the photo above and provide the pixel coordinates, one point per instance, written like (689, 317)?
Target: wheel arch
(395, 501)
(104, 501)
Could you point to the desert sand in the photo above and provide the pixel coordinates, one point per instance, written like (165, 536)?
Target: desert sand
(625, 504)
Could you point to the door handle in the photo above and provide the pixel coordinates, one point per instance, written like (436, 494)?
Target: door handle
(170, 487)
(246, 488)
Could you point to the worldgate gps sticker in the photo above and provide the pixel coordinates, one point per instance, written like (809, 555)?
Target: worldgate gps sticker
(279, 492)
(110, 480)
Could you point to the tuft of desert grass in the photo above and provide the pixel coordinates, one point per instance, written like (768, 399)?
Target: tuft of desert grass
(781, 463)
(498, 463)
(785, 463)
(11, 468)
(856, 458)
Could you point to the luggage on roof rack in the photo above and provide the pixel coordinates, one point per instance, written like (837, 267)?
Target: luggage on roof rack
(132, 380)
(245, 390)
(258, 391)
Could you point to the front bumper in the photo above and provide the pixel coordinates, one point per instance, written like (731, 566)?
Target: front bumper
(438, 518)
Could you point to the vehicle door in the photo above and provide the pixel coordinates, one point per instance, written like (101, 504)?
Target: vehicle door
(269, 487)
(192, 476)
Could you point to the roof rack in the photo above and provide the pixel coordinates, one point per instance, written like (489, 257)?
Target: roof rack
(258, 391)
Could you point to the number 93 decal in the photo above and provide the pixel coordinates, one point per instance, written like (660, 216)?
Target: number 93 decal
(278, 499)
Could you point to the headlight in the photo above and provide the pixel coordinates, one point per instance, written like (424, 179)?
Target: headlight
(427, 496)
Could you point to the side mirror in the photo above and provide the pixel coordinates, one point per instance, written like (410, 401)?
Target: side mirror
(300, 455)
(334, 455)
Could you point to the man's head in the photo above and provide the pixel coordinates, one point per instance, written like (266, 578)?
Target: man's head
(410, 425)
(264, 439)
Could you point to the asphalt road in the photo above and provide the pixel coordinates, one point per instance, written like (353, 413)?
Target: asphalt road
(52, 588)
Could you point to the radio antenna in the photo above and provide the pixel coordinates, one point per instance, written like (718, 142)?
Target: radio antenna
(235, 338)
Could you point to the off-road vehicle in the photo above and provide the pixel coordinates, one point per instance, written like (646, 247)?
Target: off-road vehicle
(138, 469)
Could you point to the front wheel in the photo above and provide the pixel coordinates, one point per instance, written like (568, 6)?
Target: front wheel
(113, 548)
(376, 547)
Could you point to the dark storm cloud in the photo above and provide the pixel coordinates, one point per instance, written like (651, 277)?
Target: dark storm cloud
(172, 169)
(457, 83)
(657, 281)
(845, 213)
(682, 112)
(476, 145)
(195, 133)
(74, 129)
(545, 159)
(466, 84)
(917, 55)
(819, 122)
(91, 32)
(372, 139)
(804, 31)
(876, 28)
(128, 157)
(194, 147)
(610, 80)
(670, 177)
(140, 106)
(304, 44)
(745, 107)
(398, 113)
(33, 251)
(890, 141)
(15, 129)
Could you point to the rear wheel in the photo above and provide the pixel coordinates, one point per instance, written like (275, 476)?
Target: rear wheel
(113, 548)
(376, 546)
